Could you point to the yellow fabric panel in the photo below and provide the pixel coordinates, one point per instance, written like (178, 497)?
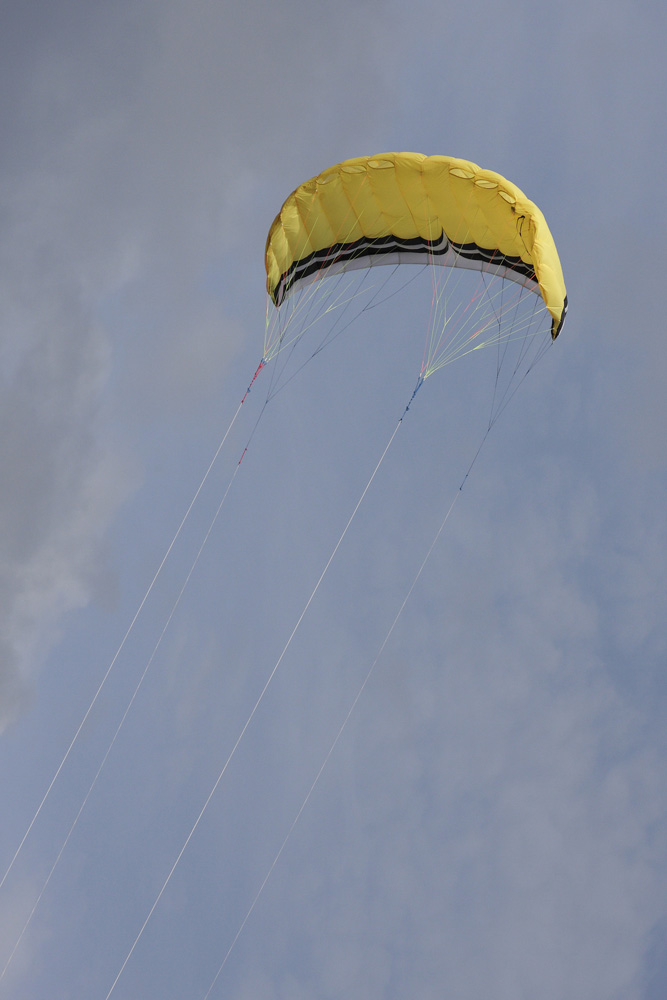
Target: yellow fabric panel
(411, 196)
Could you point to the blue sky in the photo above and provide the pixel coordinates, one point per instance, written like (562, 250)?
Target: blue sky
(492, 820)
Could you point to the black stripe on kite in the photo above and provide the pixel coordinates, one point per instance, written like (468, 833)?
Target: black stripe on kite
(341, 253)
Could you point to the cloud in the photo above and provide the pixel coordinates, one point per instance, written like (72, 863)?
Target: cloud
(128, 163)
(60, 484)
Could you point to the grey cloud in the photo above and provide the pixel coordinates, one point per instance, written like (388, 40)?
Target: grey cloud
(60, 485)
(127, 157)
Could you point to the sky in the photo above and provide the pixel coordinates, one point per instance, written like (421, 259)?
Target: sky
(491, 820)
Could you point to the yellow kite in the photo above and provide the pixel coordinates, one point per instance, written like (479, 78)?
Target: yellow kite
(397, 208)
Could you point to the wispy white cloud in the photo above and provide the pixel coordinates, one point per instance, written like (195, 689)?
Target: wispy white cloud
(127, 158)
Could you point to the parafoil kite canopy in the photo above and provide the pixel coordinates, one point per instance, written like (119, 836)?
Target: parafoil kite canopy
(410, 208)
